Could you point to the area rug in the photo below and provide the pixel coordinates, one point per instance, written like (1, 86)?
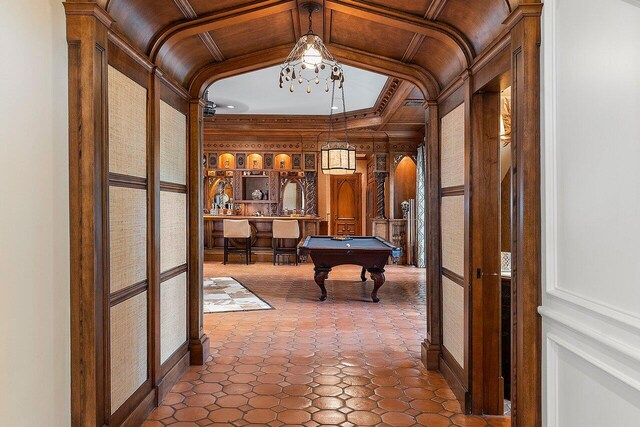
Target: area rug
(225, 294)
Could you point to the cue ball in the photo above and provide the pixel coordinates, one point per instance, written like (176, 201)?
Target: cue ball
(348, 245)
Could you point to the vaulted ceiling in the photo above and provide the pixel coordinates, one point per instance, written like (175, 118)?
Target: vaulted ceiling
(427, 42)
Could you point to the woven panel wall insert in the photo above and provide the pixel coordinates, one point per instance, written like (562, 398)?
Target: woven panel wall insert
(452, 148)
(173, 315)
(127, 237)
(453, 319)
(173, 230)
(452, 223)
(128, 348)
(173, 145)
(127, 125)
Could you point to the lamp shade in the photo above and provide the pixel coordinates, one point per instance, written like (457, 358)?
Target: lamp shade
(338, 159)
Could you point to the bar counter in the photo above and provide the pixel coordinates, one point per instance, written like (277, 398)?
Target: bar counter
(261, 231)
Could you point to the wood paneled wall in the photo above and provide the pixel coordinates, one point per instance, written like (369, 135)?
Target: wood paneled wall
(128, 190)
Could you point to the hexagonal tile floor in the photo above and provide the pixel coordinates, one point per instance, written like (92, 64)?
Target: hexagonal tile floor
(342, 362)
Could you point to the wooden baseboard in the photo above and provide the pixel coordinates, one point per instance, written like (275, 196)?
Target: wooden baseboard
(199, 350)
(139, 413)
(456, 385)
(172, 376)
(430, 355)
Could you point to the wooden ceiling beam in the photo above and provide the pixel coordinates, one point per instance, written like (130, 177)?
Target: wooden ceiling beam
(189, 13)
(404, 21)
(238, 15)
(413, 47)
(434, 9)
(211, 73)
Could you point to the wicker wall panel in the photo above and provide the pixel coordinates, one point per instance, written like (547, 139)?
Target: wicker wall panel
(128, 348)
(173, 145)
(453, 319)
(452, 223)
(127, 125)
(173, 230)
(173, 315)
(127, 237)
(452, 148)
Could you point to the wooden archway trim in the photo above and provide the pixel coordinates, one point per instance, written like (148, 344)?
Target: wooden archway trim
(211, 73)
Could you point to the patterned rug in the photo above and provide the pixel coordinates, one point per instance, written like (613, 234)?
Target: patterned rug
(225, 294)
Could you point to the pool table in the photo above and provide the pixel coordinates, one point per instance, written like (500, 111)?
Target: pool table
(371, 253)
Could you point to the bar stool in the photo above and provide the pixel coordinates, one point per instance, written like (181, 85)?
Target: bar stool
(237, 229)
(285, 229)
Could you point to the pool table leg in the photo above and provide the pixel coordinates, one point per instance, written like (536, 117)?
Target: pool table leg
(363, 274)
(319, 276)
(378, 281)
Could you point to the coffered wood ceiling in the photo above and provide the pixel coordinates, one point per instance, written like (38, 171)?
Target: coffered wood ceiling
(427, 42)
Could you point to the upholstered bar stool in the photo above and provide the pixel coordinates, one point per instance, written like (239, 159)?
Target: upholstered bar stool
(285, 229)
(237, 229)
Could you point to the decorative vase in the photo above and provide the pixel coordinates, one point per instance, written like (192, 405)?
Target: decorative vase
(256, 195)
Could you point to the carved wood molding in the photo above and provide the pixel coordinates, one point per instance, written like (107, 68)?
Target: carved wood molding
(188, 12)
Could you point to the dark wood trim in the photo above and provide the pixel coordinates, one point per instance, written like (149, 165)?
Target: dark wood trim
(135, 409)
(457, 190)
(124, 294)
(153, 225)
(87, 86)
(172, 93)
(454, 277)
(526, 228)
(177, 355)
(431, 348)
(487, 395)
(452, 373)
(119, 40)
(175, 271)
(172, 376)
(450, 100)
(172, 187)
(127, 64)
(128, 181)
(198, 341)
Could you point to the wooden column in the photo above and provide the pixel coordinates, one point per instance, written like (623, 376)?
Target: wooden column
(380, 202)
(526, 227)
(431, 347)
(198, 341)
(87, 26)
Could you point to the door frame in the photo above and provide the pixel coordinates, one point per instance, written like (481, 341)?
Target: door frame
(518, 52)
(358, 203)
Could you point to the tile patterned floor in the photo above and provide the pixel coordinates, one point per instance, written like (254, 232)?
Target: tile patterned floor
(345, 362)
(224, 294)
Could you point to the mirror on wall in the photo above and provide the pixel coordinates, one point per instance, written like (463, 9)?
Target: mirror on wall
(292, 197)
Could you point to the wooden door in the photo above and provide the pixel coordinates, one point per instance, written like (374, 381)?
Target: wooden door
(346, 201)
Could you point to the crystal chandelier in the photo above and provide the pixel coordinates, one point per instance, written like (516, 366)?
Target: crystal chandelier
(338, 157)
(310, 61)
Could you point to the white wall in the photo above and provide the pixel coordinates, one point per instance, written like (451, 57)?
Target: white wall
(34, 225)
(591, 193)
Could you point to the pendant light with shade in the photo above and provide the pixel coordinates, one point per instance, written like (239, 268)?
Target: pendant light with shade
(337, 157)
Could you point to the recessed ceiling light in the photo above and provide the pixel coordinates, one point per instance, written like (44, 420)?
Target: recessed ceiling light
(231, 106)
(334, 108)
